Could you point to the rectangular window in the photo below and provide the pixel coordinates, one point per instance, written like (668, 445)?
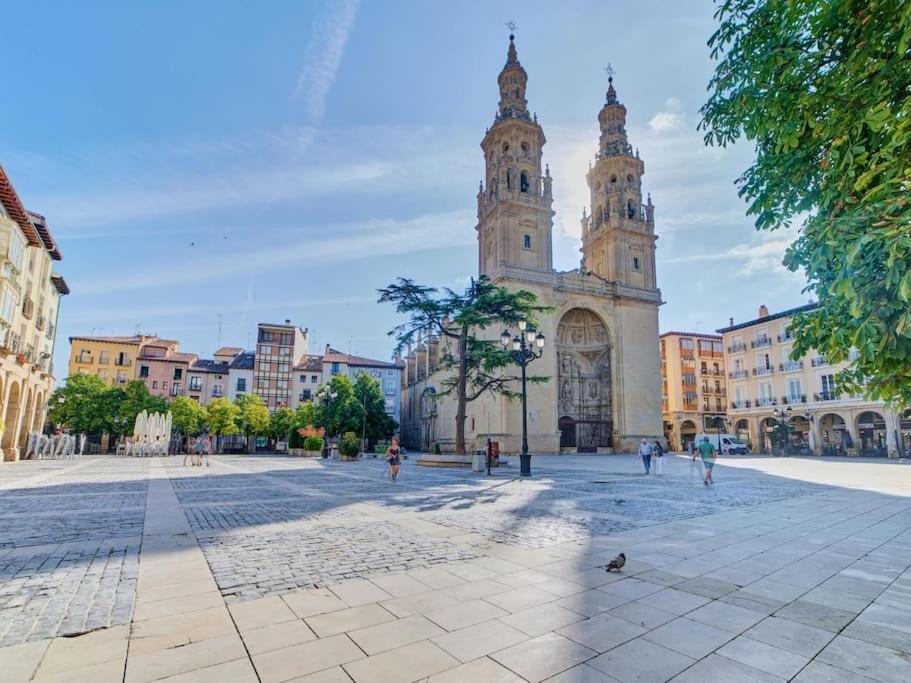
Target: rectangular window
(154, 383)
(635, 263)
(164, 385)
(121, 378)
(16, 249)
(526, 242)
(10, 303)
(335, 368)
(306, 394)
(104, 358)
(195, 383)
(241, 384)
(313, 379)
(175, 389)
(178, 373)
(216, 390)
(143, 370)
(687, 343)
(794, 390)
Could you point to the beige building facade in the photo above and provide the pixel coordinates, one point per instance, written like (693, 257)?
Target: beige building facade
(693, 386)
(766, 386)
(601, 351)
(30, 294)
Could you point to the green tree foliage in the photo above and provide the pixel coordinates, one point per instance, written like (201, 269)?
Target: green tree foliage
(133, 399)
(470, 365)
(222, 417)
(369, 392)
(281, 422)
(308, 414)
(345, 412)
(187, 415)
(349, 445)
(81, 409)
(252, 415)
(91, 406)
(821, 88)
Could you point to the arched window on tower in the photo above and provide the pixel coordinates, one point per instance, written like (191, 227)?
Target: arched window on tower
(523, 182)
(631, 209)
(599, 216)
(508, 179)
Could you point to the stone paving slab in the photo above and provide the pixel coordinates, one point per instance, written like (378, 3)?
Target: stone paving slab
(265, 568)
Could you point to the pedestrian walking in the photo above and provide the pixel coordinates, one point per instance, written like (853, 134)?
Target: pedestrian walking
(190, 452)
(206, 450)
(645, 452)
(394, 458)
(707, 453)
(659, 458)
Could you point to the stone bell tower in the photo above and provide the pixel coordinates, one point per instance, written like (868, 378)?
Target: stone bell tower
(618, 238)
(515, 219)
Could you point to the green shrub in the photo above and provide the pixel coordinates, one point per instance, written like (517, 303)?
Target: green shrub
(436, 449)
(313, 443)
(349, 445)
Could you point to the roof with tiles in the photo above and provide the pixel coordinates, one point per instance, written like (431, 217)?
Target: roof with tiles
(14, 208)
(311, 363)
(210, 366)
(335, 356)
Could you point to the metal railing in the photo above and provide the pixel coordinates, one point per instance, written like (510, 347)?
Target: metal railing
(818, 362)
(761, 342)
(790, 366)
(759, 372)
(767, 401)
(738, 374)
(737, 348)
(825, 396)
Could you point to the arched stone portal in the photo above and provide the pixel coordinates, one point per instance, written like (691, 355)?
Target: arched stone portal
(10, 420)
(584, 380)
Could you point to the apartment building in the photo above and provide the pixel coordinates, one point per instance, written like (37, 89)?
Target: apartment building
(240, 374)
(765, 386)
(207, 379)
(308, 377)
(114, 359)
(694, 393)
(30, 295)
(164, 368)
(278, 349)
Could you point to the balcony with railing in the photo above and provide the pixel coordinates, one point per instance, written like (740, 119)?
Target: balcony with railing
(51, 330)
(40, 323)
(793, 399)
(85, 357)
(737, 348)
(785, 337)
(766, 401)
(709, 372)
(762, 371)
(28, 307)
(738, 374)
(761, 342)
(790, 366)
(123, 362)
(9, 341)
(826, 396)
(217, 392)
(741, 404)
(818, 362)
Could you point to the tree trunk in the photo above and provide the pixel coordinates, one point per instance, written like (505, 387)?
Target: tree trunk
(461, 415)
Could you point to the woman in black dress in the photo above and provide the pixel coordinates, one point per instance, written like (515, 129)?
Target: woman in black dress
(394, 458)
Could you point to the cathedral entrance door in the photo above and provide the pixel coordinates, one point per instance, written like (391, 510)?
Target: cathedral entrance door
(584, 381)
(567, 427)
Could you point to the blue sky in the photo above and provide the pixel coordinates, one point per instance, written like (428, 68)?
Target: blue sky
(312, 152)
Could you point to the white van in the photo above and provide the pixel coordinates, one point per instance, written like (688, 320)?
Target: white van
(730, 444)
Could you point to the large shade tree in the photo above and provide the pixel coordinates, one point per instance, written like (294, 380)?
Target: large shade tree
(470, 365)
(822, 89)
(252, 416)
(378, 424)
(78, 404)
(344, 413)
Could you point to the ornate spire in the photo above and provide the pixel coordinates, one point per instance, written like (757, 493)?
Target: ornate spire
(512, 57)
(612, 120)
(611, 93)
(512, 81)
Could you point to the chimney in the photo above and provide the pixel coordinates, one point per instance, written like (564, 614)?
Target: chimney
(763, 311)
(730, 322)
(287, 322)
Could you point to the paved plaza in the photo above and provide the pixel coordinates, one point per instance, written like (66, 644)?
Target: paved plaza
(263, 568)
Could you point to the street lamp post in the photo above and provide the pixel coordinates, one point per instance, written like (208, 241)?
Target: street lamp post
(781, 416)
(326, 401)
(719, 424)
(523, 352)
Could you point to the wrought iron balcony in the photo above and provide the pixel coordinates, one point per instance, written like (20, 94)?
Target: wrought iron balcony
(818, 362)
(786, 337)
(767, 401)
(759, 372)
(738, 374)
(761, 342)
(825, 396)
(737, 348)
(790, 366)
(794, 399)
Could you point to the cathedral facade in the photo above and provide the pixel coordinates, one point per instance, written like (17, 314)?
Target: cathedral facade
(601, 354)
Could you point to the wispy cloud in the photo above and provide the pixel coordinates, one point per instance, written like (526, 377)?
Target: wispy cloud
(372, 238)
(665, 120)
(323, 57)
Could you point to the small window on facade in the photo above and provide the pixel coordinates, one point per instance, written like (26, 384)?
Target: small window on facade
(314, 379)
(635, 263)
(526, 241)
(505, 146)
(525, 147)
(154, 384)
(178, 373)
(523, 182)
(143, 370)
(241, 384)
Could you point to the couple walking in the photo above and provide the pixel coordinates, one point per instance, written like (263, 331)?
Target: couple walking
(646, 451)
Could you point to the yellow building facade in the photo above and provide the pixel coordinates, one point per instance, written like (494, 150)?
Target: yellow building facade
(693, 388)
(765, 386)
(113, 359)
(30, 293)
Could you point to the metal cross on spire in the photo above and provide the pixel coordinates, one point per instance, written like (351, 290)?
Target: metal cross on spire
(512, 26)
(610, 72)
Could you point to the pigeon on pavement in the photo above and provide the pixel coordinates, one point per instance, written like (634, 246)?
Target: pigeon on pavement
(616, 563)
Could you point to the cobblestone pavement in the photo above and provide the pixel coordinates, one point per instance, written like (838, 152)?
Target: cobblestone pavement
(267, 568)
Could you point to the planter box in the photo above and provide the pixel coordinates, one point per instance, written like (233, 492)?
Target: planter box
(312, 454)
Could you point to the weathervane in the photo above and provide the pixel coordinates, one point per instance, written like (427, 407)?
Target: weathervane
(512, 26)
(610, 72)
